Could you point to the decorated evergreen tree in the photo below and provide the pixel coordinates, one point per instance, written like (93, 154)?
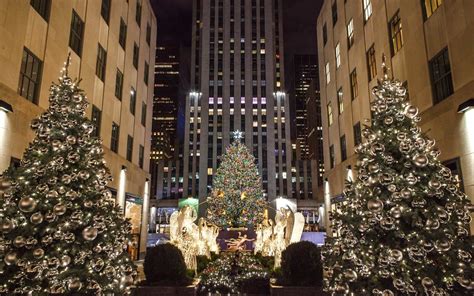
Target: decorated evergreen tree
(403, 229)
(237, 196)
(61, 232)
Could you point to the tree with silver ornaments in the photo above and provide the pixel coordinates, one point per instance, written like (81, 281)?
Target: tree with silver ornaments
(403, 227)
(237, 195)
(61, 232)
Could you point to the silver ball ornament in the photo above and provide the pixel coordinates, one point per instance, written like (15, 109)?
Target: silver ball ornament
(420, 160)
(10, 258)
(89, 233)
(375, 205)
(59, 209)
(38, 253)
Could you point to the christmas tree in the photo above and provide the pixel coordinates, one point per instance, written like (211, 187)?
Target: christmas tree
(61, 232)
(237, 196)
(403, 229)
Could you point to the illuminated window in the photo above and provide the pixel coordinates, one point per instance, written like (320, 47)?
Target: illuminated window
(371, 64)
(350, 33)
(340, 101)
(328, 73)
(338, 55)
(329, 110)
(396, 33)
(367, 9)
(429, 7)
(354, 85)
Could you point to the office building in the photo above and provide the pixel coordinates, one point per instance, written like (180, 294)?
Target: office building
(237, 80)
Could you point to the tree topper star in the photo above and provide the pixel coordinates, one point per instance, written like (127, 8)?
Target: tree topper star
(237, 135)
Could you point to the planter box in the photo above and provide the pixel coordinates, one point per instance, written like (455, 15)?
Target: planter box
(296, 291)
(165, 291)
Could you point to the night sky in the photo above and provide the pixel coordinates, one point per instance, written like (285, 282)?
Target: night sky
(174, 22)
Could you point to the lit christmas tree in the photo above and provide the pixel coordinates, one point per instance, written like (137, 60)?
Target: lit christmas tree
(61, 232)
(237, 196)
(403, 229)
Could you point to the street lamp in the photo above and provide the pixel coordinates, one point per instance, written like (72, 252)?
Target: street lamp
(466, 106)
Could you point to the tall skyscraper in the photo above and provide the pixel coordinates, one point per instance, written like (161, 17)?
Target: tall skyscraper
(237, 80)
(164, 142)
(305, 67)
(165, 102)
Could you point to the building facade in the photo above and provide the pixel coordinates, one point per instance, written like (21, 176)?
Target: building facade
(305, 67)
(111, 45)
(428, 47)
(237, 80)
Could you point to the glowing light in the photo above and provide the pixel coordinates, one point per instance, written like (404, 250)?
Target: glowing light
(121, 189)
(327, 207)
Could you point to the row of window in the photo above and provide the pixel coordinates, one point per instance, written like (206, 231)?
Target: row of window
(96, 119)
(343, 145)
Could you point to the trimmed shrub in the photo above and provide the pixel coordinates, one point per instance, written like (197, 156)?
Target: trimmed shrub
(164, 265)
(301, 265)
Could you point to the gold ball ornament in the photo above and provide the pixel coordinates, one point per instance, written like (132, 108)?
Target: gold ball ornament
(38, 253)
(59, 209)
(7, 226)
(10, 258)
(36, 218)
(27, 204)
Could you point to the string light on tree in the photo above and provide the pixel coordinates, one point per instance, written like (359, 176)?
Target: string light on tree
(237, 196)
(403, 229)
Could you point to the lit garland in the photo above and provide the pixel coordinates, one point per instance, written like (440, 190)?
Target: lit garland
(404, 227)
(61, 232)
(227, 273)
(237, 195)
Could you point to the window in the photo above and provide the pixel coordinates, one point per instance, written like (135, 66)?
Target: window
(145, 74)
(105, 10)
(76, 33)
(133, 100)
(396, 33)
(96, 119)
(350, 33)
(143, 114)
(325, 34)
(148, 33)
(371, 65)
(343, 148)
(332, 158)
(329, 109)
(123, 33)
(129, 148)
(334, 13)
(328, 73)
(367, 9)
(441, 81)
(118, 84)
(357, 134)
(136, 53)
(354, 85)
(114, 141)
(42, 7)
(340, 101)
(429, 7)
(138, 13)
(30, 76)
(141, 156)
(101, 63)
(338, 55)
